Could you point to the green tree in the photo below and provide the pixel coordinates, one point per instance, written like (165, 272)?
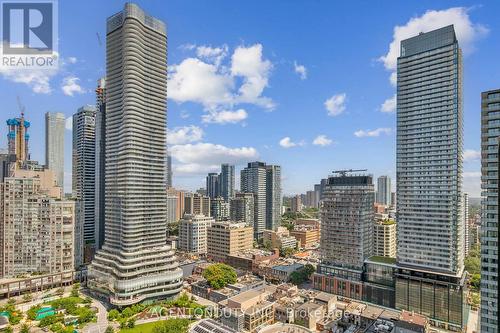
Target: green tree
(113, 314)
(25, 328)
(109, 329)
(75, 290)
(219, 275)
(27, 297)
(8, 329)
(131, 323)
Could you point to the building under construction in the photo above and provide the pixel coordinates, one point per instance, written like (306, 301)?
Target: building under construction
(18, 138)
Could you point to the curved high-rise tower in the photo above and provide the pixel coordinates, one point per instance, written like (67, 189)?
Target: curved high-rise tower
(135, 263)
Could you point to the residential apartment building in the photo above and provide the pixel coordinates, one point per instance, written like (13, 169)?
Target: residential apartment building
(279, 239)
(193, 233)
(100, 161)
(219, 209)
(429, 178)
(226, 181)
(384, 190)
(490, 135)
(228, 238)
(384, 238)
(135, 264)
(84, 168)
(36, 229)
(242, 208)
(306, 236)
(196, 204)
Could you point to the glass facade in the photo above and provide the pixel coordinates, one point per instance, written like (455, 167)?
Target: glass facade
(490, 132)
(429, 152)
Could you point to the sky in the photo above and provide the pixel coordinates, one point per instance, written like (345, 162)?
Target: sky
(307, 85)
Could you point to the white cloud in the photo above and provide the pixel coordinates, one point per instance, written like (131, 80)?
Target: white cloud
(72, 60)
(202, 157)
(301, 70)
(286, 142)
(335, 105)
(225, 117)
(247, 62)
(393, 79)
(69, 123)
(212, 54)
(322, 140)
(372, 133)
(194, 169)
(196, 81)
(70, 86)
(183, 135)
(471, 155)
(466, 31)
(184, 114)
(220, 84)
(37, 80)
(389, 105)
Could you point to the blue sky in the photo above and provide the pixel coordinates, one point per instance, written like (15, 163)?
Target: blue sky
(301, 84)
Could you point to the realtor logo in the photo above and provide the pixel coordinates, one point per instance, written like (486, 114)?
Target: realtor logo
(29, 34)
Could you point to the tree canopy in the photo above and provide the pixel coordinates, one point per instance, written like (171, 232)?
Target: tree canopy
(219, 275)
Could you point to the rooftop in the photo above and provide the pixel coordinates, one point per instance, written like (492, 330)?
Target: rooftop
(382, 260)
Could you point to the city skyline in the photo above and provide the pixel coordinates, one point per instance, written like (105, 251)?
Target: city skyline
(360, 127)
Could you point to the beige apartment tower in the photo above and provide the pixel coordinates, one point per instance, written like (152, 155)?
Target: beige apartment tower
(227, 238)
(384, 238)
(36, 229)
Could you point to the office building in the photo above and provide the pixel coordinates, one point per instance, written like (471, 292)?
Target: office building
(197, 204)
(84, 183)
(100, 161)
(193, 232)
(273, 197)
(384, 238)
(172, 208)
(226, 181)
(36, 227)
(241, 208)
(307, 236)
(212, 185)
(384, 190)
(228, 238)
(135, 264)
(219, 209)
(490, 135)
(429, 159)
(54, 144)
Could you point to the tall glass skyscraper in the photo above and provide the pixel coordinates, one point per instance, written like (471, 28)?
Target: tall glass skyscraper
(429, 152)
(54, 145)
(83, 183)
(490, 135)
(384, 190)
(226, 181)
(430, 255)
(135, 264)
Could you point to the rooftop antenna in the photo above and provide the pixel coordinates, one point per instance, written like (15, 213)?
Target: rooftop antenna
(344, 173)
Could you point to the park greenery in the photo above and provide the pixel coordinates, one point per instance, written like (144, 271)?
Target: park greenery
(67, 306)
(173, 325)
(302, 275)
(219, 275)
(473, 267)
(15, 316)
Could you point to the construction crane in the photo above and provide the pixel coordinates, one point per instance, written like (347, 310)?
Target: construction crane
(20, 105)
(344, 173)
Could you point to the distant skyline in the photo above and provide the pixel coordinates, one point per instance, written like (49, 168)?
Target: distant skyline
(305, 85)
